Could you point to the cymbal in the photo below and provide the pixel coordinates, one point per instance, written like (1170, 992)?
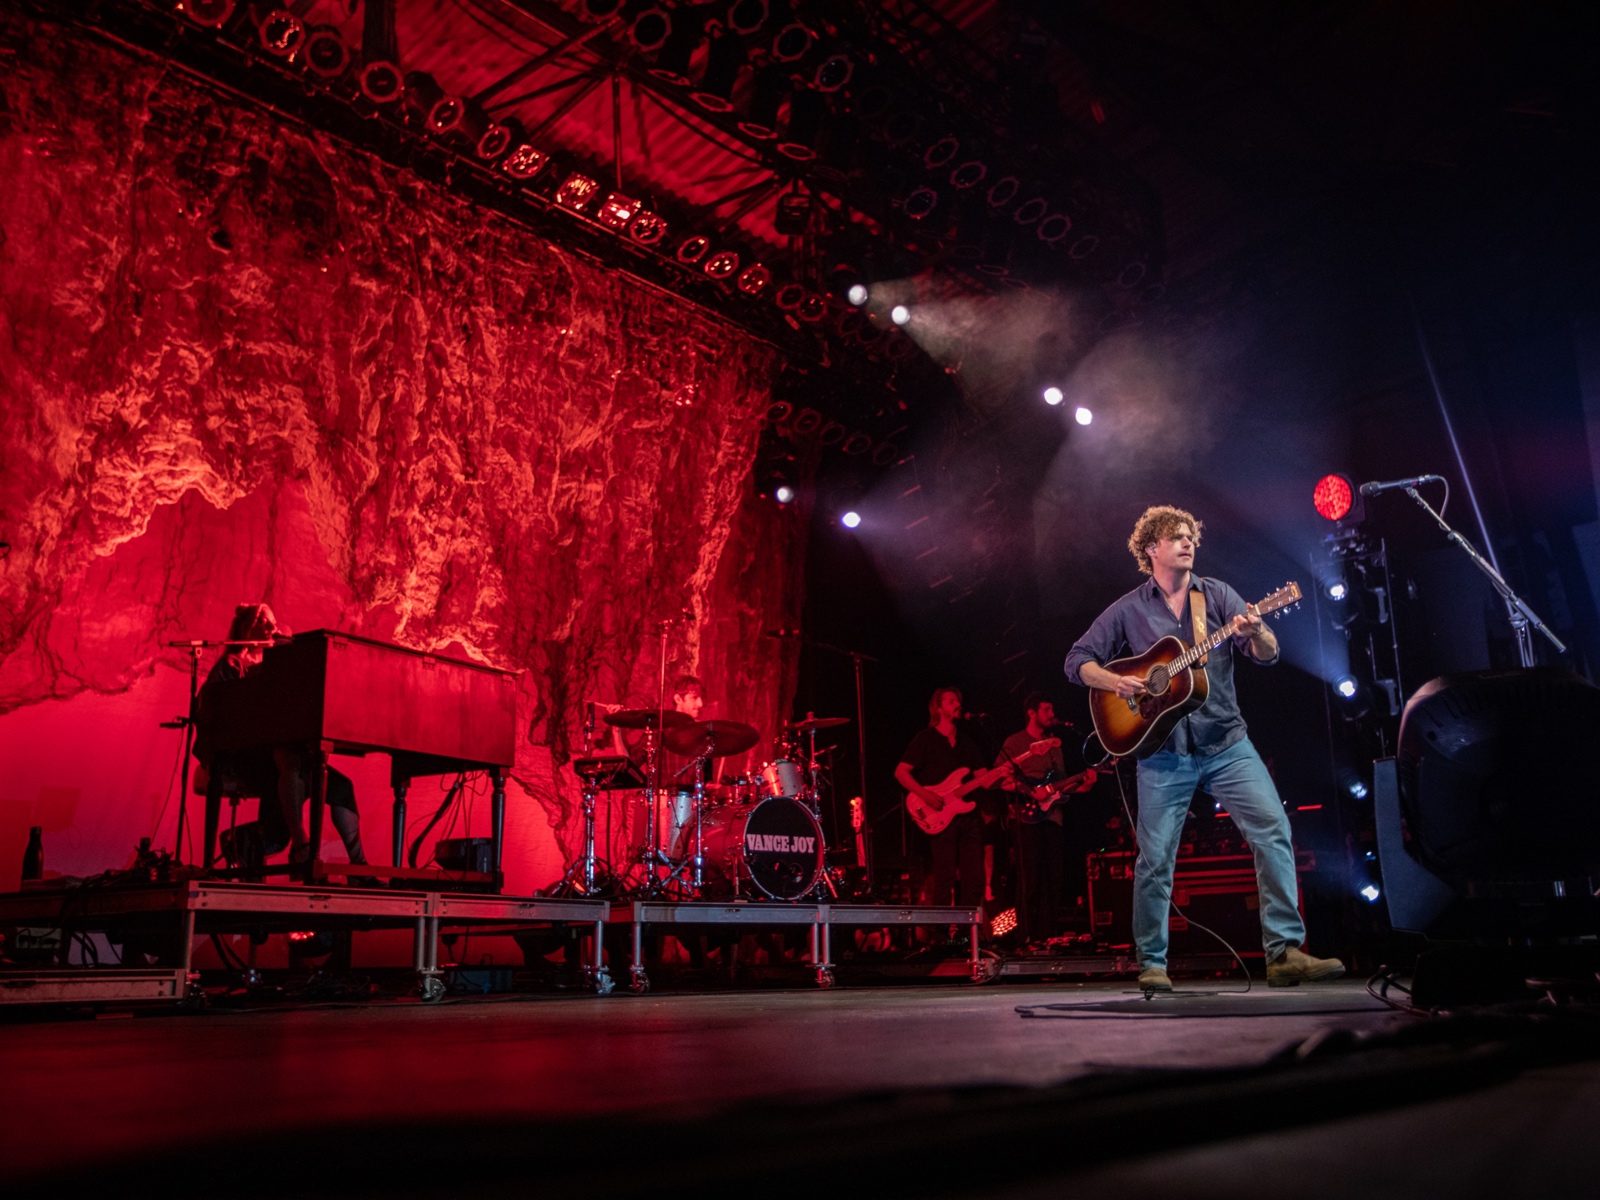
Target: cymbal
(811, 723)
(712, 739)
(647, 718)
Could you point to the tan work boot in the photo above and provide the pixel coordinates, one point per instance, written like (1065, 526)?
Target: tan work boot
(1154, 979)
(1296, 966)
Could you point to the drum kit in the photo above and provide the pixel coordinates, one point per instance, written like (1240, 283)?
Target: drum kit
(756, 836)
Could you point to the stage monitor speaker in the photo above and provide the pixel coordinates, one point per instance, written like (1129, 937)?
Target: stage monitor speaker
(465, 854)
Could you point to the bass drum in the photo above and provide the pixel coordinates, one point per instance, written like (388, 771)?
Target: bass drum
(776, 845)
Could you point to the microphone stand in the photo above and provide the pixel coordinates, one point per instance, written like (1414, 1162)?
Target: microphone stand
(1522, 618)
(856, 658)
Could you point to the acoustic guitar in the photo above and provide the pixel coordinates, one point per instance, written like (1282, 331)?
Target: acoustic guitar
(1175, 685)
(955, 788)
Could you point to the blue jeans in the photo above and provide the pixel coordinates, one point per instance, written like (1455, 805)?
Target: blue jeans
(1238, 778)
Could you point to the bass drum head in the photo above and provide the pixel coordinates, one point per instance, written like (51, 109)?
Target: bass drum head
(776, 844)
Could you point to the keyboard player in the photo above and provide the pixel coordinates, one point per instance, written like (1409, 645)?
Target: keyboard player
(280, 776)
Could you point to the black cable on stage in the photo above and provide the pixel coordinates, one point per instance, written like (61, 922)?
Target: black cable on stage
(450, 796)
(1133, 828)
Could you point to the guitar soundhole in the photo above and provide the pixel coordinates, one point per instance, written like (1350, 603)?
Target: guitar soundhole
(1157, 682)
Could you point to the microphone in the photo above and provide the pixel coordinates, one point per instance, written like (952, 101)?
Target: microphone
(1372, 489)
(973, 716)
(783, 633)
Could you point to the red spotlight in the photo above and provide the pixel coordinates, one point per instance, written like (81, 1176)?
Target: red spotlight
(1333, 497)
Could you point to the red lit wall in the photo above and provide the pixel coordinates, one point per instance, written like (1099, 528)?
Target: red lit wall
(241, 361)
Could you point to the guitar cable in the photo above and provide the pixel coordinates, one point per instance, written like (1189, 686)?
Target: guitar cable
(1133, 828)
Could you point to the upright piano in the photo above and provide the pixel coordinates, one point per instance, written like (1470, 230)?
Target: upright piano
(335, 693)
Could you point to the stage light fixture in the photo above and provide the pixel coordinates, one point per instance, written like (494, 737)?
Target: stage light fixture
(793, 215)
(812, 308)
(326, 54)
(747, 16)
(722, 264)
(281, 33)
(783, 493)
(647, 228)
(601, 10)
(457, 120)
(1030, 211)
(524, 161)
(1083, 416)
(900, 314)
(381, 82)
(616, 210)
(576, 191)
(208, 14)
(858, 294)
(968, 175)
(1054, 396)
(791, 43)
(1333, 497)
(651, 29)
(941, 154)
(920, 203)
(1336, 589)
(498, 139)
(1357, 789)
(1003, 191)
(1053, 228)
(753, 280)
(1084, 246)
(1370, 893)
(833, 73)
(851, 519)
(693, 248)
(789, 296)
(1346, 687)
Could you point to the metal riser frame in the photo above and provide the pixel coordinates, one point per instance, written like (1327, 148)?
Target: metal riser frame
(227, 905)
(820, 917)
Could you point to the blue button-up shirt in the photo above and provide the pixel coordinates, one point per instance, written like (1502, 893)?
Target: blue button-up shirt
(1141, 619)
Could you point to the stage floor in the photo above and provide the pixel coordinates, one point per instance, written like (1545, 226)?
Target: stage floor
(92, 1101)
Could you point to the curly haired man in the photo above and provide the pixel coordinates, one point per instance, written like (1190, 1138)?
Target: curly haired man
(1209, 749)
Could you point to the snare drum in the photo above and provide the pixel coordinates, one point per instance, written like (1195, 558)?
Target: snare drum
(782, 779)
(776, 845)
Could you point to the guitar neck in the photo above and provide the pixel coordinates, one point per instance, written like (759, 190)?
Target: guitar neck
(1194, 653)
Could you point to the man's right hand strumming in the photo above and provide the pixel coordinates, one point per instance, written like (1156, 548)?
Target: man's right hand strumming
(1096, 676)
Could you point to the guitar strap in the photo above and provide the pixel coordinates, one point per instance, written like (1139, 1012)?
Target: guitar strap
(1197, 611)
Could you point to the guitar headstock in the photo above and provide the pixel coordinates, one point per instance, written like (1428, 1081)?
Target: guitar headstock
(1288, 596)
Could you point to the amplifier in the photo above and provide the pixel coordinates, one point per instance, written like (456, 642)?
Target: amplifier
(1218, 892)
(465, 854)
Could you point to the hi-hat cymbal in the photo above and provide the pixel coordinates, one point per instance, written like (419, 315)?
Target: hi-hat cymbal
(811, 723)
(712, 739)
(647, 718)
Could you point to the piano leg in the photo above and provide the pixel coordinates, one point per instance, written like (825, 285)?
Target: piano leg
(319, 802)
(498, 775)
(400, 786)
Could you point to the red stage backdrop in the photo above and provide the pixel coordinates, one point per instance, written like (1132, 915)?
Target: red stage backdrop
(242, 361)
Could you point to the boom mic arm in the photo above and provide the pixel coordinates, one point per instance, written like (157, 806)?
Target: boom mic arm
(1389, 485)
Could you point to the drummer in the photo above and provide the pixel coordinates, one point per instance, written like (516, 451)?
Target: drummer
(688, 698)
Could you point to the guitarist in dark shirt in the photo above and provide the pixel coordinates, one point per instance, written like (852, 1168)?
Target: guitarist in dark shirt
(1038, 785)
(932, 755)
(1209, 749)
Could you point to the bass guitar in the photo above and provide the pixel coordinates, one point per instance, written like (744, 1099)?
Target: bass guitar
(1175, 685)
(955, 788)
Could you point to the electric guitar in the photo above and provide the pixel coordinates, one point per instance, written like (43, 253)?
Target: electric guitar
(1175, 685)
(1032, 809)
(953, 790)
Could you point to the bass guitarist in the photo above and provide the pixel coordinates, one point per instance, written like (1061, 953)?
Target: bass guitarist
(932, 755)
(1208, 750)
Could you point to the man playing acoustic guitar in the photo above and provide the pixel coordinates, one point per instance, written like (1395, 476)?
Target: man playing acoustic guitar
(1208, 749)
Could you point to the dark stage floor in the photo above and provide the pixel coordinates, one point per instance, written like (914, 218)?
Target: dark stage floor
(842, 1088)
